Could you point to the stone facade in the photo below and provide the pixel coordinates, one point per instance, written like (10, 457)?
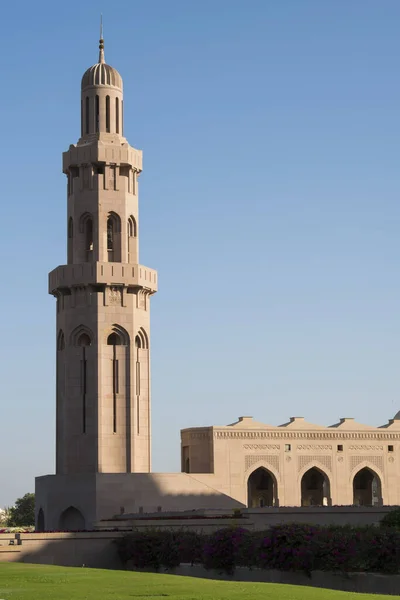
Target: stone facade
(103, 428)
(298, 463)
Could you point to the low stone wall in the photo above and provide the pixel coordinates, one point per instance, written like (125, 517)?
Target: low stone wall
(256, 519)
(92, 549)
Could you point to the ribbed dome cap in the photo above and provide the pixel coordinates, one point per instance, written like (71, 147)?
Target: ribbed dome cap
(101, 73)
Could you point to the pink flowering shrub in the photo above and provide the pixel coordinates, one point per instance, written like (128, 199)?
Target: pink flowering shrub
(227, 548)
(290, 547)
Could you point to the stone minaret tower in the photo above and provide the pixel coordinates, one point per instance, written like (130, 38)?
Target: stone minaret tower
(103, 295)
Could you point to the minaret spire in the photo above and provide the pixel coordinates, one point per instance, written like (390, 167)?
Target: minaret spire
(101, 43)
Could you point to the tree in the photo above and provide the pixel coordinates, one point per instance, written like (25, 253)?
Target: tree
(4, 516)
(23, 513)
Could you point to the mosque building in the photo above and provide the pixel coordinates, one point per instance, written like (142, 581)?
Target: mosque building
(103, 417)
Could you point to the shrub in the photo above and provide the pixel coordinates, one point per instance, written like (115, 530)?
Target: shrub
(391, 519)
(382, 551)
(292, 547)
(288, 548)
(151, 549)
(227, 548)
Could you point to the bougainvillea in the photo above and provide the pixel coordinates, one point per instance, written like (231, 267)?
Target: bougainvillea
(290, 547)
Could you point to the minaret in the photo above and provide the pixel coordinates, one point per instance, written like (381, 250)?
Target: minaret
(103, 295)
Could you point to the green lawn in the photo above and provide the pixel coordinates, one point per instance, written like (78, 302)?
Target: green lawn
(37, 582)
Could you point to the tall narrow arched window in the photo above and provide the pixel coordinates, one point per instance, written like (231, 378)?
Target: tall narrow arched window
(116, 115)
(114, 237)
(87, 120)
(131, 227)
(84, 244)
(110, 234)
(84, 342)
(122, 117)
(141, 344)
(97, 113)
(89, 235)
(108, 114)
(118, 337)
(70, 239)
(82, 338)
(60, 340)
(82, 118)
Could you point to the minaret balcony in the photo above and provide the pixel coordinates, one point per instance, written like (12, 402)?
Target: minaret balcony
(100, 273)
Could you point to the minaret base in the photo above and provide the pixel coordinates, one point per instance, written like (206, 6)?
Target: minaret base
(77, 502)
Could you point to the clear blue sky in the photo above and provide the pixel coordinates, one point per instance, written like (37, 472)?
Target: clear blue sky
(269, 203)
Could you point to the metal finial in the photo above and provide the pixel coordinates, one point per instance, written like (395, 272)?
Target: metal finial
(101, 43)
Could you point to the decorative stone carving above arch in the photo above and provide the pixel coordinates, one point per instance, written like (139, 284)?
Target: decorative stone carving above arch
(306, 462)
(269, 461)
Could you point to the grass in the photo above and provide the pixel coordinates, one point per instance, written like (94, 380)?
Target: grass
(38, 582)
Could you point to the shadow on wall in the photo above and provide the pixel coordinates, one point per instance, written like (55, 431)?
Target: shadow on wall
(71, 506)
(96, 550)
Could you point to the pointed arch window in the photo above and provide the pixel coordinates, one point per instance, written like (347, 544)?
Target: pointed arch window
(141, 343)
(89, 236)
(60, 341)
(110, 233)
(131, 227)
(114, 237)
(118, 337)
(82, 338)
(70, 239)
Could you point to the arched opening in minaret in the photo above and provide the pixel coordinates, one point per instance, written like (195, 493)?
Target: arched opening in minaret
(118, 337)
(108, 114)
(132, 232)
(114, 238)
(97, 113)
(86, 241)
(116, 115)
(367, 489)
(60, 340)
(84, 340)
(141, 345)
(87, 115)
(70, 240)
(131, 227)
(114, 340)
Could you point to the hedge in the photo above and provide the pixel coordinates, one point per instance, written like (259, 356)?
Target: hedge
(290, 547)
